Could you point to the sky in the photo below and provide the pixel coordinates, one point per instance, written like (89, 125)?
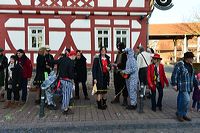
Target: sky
(182, 11)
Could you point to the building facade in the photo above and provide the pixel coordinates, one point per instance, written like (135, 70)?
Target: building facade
(77, 24)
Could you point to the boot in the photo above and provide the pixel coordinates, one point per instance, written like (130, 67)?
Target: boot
(104, 103)
(100, 105)
(7, 104)
(125, 102)
(2, 97)
(116, 100)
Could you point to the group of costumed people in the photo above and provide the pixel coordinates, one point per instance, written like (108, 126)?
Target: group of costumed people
(126, 72)
(72, 68)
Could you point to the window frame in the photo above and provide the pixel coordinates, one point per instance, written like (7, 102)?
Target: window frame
(127, 36)
(103, 35)
(30, 35)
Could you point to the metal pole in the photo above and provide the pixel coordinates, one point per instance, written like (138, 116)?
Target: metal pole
(41, 113)
(141, 97)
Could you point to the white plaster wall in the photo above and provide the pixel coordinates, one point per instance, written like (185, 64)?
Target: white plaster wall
(102, 21)
(6, 46)
(35, 58)
(138, 3)
(105, 3)
(15, 22)
(17, 38)
(56, 23)
(56, 39)
(81, 23)
(121, 22)
(64, 12)
(121, 3)
(29, 11)
(119, 13)
(8, 2)
(25, 2)
(136, 24)
(88, 57)
(35, 21)
(47, 12)
(135, 36)
(9, 11)
(82, 40)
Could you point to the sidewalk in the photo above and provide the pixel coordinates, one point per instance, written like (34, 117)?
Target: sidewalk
(87, 117)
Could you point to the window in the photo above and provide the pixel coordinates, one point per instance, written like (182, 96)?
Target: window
(122, 35)
(102, 38)
(36, 37)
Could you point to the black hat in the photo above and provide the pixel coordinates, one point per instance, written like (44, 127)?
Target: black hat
(1, 49)
(188, 55)
(121, 45)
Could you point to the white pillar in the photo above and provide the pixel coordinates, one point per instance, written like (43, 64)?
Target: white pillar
(185, 44)
(198, 49)
(175, 50)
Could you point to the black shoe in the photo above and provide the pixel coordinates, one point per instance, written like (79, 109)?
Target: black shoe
(154, 110)
(179, 118)
(104, 103)
(87, 98)
(187, 118)
(125, 102)
(99, 104)
(131, 107)
(51, 107)
(160, 108)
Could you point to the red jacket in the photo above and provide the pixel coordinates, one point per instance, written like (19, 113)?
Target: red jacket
(150, 76)
(27, 68)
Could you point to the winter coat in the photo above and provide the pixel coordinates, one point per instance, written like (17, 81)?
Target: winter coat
(97, 72)
(196, 93)
(16, 77)
(40, 70)
(25, 62)
(49, 59)
(80, 69)
(150, 76)
(3, 65)
(65, 67)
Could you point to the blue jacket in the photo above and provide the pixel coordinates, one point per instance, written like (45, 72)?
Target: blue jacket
(182, 79)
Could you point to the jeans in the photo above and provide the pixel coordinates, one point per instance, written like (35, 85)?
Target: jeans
(183, 103)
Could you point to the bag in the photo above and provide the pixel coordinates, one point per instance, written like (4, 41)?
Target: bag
(94, 89)
(126, 76)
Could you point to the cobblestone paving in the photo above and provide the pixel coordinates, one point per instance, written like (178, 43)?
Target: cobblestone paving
(87, 118)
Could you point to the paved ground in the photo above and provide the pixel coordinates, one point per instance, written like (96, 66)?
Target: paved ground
(87, 118)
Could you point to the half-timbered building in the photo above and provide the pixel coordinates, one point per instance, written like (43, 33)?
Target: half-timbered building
(77, 24)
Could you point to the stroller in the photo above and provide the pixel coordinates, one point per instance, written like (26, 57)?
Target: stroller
(50, 86)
